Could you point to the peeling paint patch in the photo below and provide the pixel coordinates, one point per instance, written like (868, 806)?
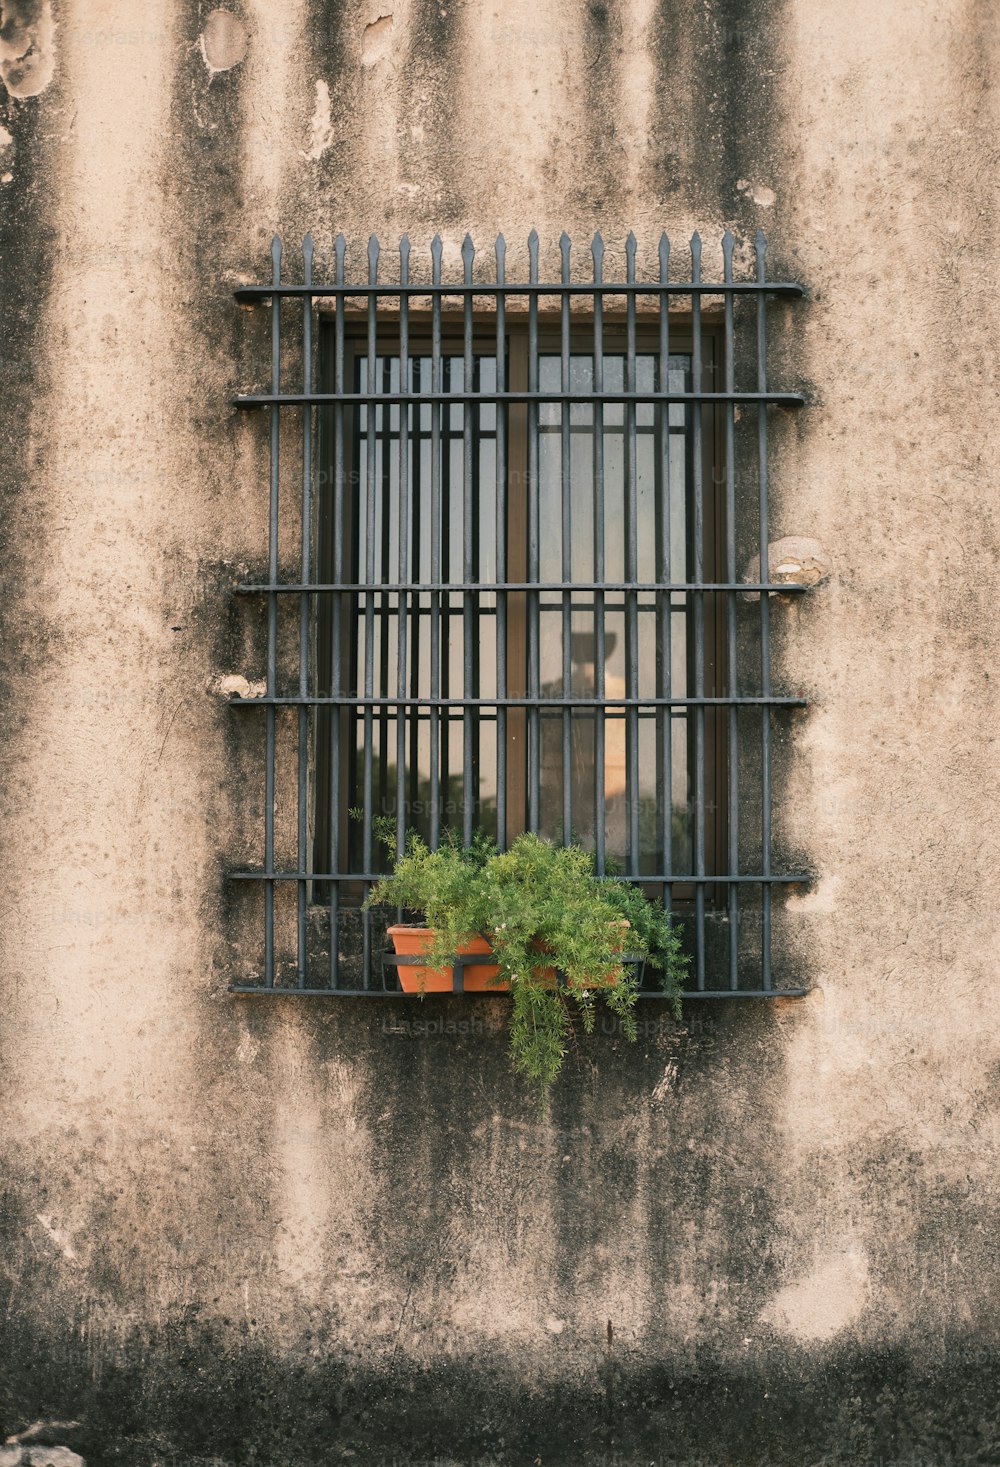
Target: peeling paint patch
(223, 41)
(247, 1050)
(377, 41)
(762, 195)
(667, 1081)
(58, 1237)
(321, 128)
(27, 46)
(826, 1301)
(6, 138)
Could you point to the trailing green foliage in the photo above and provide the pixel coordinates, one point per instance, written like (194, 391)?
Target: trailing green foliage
(545, 913)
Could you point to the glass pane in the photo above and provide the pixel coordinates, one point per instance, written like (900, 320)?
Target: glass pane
(429, 654)
(411, 518)
(572, 506)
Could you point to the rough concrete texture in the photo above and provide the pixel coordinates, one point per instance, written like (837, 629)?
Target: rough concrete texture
(236, 1231)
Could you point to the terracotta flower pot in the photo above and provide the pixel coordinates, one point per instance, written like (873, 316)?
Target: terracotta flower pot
(416, 978)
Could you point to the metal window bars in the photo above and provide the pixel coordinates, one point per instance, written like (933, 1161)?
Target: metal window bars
(387, 586)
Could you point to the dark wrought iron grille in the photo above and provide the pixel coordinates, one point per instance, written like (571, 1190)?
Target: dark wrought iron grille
(502, 593)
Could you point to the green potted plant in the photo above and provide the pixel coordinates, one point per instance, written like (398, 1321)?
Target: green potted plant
(562, 939)
(446, 887)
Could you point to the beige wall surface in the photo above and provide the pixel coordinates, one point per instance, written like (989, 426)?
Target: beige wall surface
(304, 1230)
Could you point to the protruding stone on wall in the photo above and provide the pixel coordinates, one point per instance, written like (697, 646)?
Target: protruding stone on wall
(43, 1444)
(27, 46)
(795, 559)
(234, 685)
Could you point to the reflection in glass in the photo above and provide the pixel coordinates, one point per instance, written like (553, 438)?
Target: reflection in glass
(380, 632)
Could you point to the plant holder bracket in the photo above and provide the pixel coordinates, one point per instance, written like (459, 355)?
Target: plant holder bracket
(473, 960)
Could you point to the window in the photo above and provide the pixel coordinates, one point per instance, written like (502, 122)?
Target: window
(520, 512)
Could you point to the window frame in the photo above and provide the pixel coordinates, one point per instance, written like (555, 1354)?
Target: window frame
(420, 325)
(277, 885)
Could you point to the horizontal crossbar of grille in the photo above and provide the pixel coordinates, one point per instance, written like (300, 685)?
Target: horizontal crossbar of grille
(656, 878)
(260, 990)
(788, 288)
(410, 588)
(444, 399)
(539, 700)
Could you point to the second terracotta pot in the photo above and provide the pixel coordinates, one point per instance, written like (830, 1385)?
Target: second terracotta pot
(418, 978)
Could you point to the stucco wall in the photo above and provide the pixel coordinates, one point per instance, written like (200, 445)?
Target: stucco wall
(305, 1231)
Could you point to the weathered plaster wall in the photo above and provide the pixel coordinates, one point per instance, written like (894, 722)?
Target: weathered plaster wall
(247, 1232)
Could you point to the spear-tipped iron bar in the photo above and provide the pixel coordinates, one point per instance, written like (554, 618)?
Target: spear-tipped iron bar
(304, 613)
(730, 538)
(270, 733)
(534, 648)
(436, 536)
(600, 643)
(369, 673)
(765, 622)
(698, 595)
(664, 599)
(566, 492)
(501, 545)
(385, 519)
(402, 560)
(631, 574)
(468, 555)
(336, 670)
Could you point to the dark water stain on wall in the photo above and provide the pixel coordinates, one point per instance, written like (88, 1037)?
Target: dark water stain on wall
(718, 103)
(183, 1393)
(328, 178)
(29, 199)
(438, 165)
(596, 187)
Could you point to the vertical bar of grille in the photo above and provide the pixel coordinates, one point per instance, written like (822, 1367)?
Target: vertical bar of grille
(436, 533)
(386, 440)
(600, 774)
(501, 545)
(404, 519)
(765, 621)
(631, 574)
(468, 548)
(665, 600)
(699, 612)
(534, 724)
(304, 617)
(340, 250)
(272, 622)
(733, 740)
(416, 640)
(369, 595)
(566, 486)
